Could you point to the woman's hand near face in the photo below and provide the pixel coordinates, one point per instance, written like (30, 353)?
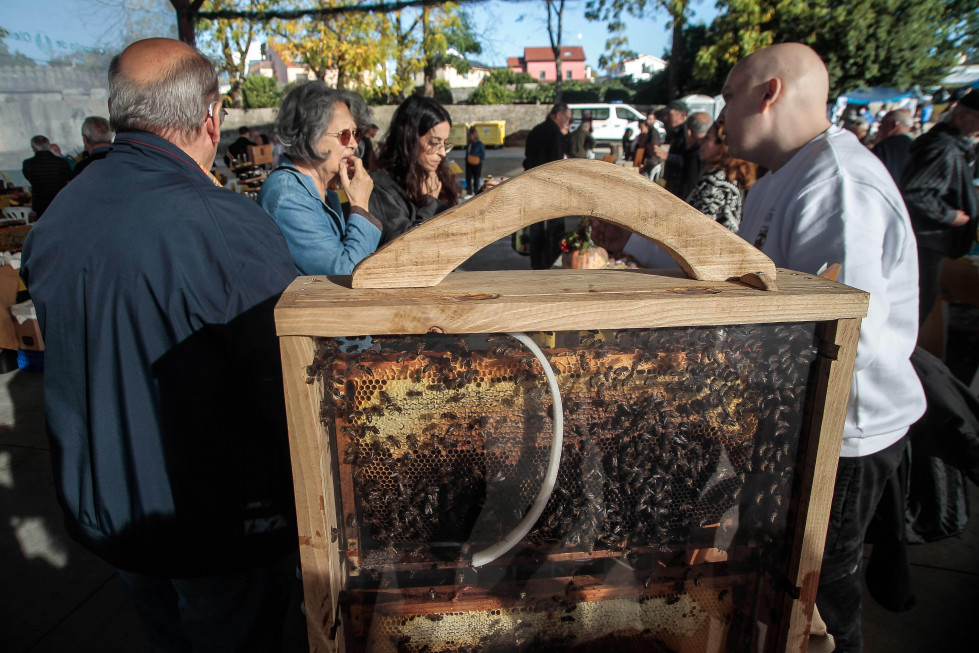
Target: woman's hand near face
(356, 183)
(432, 185)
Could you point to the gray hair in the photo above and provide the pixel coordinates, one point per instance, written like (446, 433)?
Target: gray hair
(174, 103)
(96, 129)
(40, 143)
(699, 123)
(305, 115)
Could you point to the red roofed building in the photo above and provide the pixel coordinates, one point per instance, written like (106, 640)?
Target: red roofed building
(539, 63)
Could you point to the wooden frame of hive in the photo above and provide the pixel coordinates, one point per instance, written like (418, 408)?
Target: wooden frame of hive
(409, 287)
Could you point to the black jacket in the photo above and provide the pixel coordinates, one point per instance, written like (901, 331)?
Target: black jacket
(893, 152)
(935, 182)
(48, 174)
(163, 385)
(545, 143)
(391, 205)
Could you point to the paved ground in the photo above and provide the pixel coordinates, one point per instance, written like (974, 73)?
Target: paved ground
(57, 598)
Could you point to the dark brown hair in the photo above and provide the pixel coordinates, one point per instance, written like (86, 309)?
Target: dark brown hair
(738, 171)
(399, 155)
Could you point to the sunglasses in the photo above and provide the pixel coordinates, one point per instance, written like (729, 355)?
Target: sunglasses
(345, 136)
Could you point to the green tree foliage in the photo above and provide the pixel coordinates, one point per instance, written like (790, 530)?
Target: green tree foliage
(260, 92)
(447, 36)
(617, 50)
(226, 41)
(612, 11)
(505, 76)
(656, 90)
(490, 92)
(351, 44)
(863, 42)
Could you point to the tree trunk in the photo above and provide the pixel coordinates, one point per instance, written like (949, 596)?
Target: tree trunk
(676, 54)
(187, 20)
(555, 12)
(429, 70)
(235, 93)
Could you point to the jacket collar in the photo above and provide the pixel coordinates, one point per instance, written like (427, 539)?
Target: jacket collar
(304, 179)
(160, 147)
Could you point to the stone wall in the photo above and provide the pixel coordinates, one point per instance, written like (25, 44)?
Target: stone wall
(520, 118)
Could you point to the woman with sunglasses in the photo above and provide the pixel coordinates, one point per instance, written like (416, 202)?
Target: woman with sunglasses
(318, 129)
(724, 181)
(412, 182)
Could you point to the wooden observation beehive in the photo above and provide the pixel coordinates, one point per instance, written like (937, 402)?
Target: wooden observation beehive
(565, 459)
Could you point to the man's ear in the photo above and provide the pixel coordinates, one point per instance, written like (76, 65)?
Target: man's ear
(772, 92)
(213, 125)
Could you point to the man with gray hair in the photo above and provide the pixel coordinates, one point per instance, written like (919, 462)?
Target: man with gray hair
(47, 173)
(97, 137)
(154, 290)
(892, 142)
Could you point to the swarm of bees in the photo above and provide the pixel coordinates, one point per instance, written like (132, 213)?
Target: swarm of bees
(667, 431)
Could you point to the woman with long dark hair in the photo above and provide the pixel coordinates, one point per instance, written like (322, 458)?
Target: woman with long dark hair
(412, 181)
(724, 182)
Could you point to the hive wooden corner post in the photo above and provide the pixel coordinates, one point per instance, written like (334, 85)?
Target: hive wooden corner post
(315, 501)
(818, 479)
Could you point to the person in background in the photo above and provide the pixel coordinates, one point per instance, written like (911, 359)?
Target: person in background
(581, 144)
(724, 183)
(685, 179)
(545, 143)
(367, 154)
(475, 154)
(936, 183)
(413, 182)
(628, 145)
(676, 138)
(858, 126)
(163, 384)
(893, 141)
(239, 148)
(47, 172)
(97, 136)
(317, 126)
(828, 200)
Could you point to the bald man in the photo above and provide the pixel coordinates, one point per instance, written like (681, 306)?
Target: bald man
(827, 199)
(893, 141)
(154, 290)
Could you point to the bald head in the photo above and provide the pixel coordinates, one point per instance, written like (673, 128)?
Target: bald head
(775, 103)
(898, 121)
(161, 86)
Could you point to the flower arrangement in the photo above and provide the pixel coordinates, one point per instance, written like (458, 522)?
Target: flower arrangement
(579, 251)
(578, 239)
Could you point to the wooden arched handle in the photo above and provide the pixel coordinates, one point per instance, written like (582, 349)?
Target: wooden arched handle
(704, 249)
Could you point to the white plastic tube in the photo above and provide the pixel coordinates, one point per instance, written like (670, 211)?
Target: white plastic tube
(511, 539)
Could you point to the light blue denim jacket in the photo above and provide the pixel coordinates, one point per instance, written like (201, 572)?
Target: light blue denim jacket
(320, 239)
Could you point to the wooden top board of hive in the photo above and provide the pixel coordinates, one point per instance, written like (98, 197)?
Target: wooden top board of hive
(409, 285)
(556, 300)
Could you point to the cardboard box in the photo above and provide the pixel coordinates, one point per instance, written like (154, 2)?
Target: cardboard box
(25, 326)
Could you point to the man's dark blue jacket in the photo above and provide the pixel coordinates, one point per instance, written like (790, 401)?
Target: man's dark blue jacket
(154, 290)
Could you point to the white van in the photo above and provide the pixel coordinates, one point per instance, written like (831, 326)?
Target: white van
(609, 121)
